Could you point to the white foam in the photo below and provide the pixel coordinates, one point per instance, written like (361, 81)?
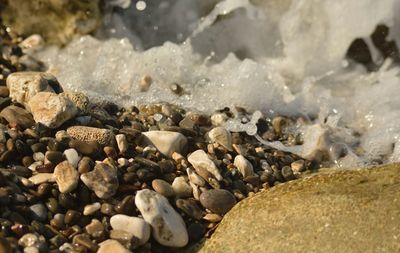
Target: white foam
(296, 67)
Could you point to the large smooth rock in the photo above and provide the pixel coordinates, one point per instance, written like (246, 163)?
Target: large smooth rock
(165, 141)
(168, 226)
(341, 211)
(17, 116)
(58, 21)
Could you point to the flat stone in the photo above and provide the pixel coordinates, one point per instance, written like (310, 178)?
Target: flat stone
(102, 180)
(133, 225)
(165, 141)
(200, 160)
(168, 226)
(24, 85)
(42, 178)
(221, 136)
(51, 109)
(219, 201)
(112, 246)
(83, 133)
(244, 166)
(337, 211)
(17, 116)
(67, 177)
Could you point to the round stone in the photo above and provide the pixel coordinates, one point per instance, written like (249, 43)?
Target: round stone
(39, 212)
(219, 201)
(163, 188)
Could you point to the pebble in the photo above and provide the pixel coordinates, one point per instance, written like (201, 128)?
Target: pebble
(39, 212)
(95, 228)
(190, 208)
(113, 246)
(28, 240)
(17, 116)
(122, 142)
(194, 178)
(54, 157)
(298, 166)
(4, 91)
(72, 157)
(218, 201)
(244, 166)
(42, 178)
(72, 217)
(287, 173)
(91, 208)
(163, 187)
(67, 177)
(165, 141)
(25, 85)
(168, 226)
(51, 109)
(200, 160)
(5, 246)
(212, 217)
(181, 188)
(80, 100)
(84, 133)
(133, 225)
(85, 148)
(102, 180)
(221, 136)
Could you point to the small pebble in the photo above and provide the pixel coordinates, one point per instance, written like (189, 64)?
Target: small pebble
(163, 187)
(219, 201)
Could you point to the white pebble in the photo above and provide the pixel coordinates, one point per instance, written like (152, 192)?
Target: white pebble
(133, 225)
(72, 156)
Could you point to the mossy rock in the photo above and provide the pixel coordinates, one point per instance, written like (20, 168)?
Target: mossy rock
(58, 21)
(342, 211)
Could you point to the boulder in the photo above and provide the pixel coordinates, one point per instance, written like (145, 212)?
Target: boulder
(338, 211)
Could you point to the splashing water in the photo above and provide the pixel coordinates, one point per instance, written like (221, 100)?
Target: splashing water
(287, 59)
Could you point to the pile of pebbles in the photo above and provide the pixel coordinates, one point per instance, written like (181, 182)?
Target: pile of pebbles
(82, 177)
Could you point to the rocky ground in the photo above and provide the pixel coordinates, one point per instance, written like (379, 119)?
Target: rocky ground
(82, 177)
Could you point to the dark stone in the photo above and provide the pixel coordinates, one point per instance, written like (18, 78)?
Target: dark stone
(219, 201)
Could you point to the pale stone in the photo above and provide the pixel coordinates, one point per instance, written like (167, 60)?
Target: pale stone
(168, 226)
(112, 246)
(194, 178)
(88, 134)
(72, 157)
(200, 160)
(51, 109)
(122, 142)
(133, 225)
(181, 188)
(42, 178)
(165, 141)
(221, 136)
(244, 166)
(91, 208)
(25, 85)
(66, 176)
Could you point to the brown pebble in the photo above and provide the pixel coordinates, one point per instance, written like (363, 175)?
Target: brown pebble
(110, 152)
(4, 91)
(163, 188)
